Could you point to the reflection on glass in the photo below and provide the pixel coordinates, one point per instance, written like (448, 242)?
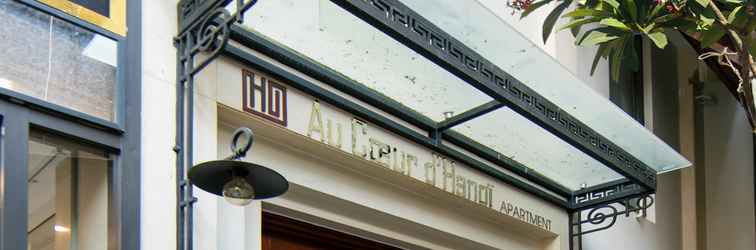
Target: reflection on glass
(50, 59)
(329, 35)
(68, 195)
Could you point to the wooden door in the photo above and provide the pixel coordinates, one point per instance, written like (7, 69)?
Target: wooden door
(282, 233)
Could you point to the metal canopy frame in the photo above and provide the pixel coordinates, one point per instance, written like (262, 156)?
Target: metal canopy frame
(206, 27)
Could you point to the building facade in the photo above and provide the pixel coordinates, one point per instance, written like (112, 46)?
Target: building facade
(385, 117)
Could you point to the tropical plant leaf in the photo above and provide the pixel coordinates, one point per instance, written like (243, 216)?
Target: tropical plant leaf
(666, 18)
(648, 27)
(706, 21)
(687, 24)
(612, 3)
(582, 12)
(703, 3)
(601, 52)
(599, 35)
(578, 22)
(631, 60)
(533, 7)
(591, 3)
(614, 23)
(632, 9)
(654, 12)
(712, 35)
(575, 31)
(616, 60)
(706, 18)
(734, 14)
(643, 11)
(659, 38)
(739, 18)
(551, 19)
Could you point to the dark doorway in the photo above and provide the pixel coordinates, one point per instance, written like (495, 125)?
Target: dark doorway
(282, 233)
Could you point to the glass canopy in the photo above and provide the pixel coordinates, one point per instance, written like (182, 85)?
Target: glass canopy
(335, 38)
(479, 28)
(519, 139)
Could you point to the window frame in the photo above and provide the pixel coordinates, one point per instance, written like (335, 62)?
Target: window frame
(117, 124)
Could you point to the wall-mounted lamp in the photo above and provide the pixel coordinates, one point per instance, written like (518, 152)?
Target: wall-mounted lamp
(237, 181)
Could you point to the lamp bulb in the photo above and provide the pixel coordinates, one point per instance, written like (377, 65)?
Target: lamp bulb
(238, 191)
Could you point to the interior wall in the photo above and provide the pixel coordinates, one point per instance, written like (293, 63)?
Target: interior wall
(93, 202)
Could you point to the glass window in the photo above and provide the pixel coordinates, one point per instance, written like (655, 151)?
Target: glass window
(69, 194)
(56, 61)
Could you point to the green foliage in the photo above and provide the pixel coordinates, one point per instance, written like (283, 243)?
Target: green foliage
(712, 35)
(552, 18)
(620, 22)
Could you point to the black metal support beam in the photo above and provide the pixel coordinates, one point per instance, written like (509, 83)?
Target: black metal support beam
(379, 120)
(491, 155)
(408, 27)
(469, 115)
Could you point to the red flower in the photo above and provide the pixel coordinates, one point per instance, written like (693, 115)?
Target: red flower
(519, 5)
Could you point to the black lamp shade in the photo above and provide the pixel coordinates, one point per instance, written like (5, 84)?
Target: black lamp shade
(213, 175)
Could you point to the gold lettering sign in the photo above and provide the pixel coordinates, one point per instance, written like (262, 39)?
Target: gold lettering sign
(109, 15)
(437, 171)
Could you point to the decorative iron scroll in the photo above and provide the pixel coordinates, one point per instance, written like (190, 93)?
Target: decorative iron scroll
(205, 27)
(604, 216)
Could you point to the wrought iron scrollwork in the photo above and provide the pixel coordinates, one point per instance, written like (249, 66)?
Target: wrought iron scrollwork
(604, 216)
(207, 32)
(213, 31)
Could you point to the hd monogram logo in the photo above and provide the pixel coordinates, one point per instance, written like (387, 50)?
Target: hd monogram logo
(264, 97)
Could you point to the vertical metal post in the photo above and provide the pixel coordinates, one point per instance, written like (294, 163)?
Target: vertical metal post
(576, 239)
(189, 152)
(178, 148)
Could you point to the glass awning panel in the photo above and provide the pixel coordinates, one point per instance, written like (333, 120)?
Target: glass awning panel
(338, 40)
(515, 137)
(475, 25)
